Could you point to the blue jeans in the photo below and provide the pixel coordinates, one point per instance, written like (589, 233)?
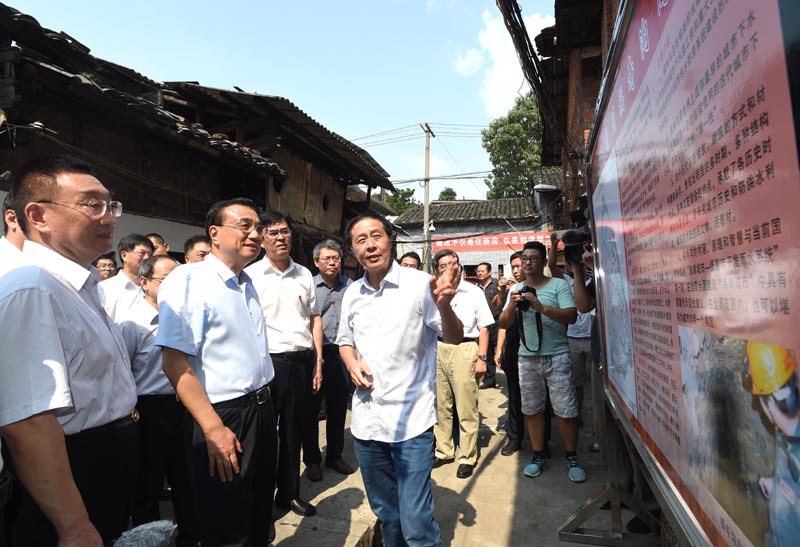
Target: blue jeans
(397, 477)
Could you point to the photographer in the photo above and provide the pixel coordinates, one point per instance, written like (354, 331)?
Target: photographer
(545, 306)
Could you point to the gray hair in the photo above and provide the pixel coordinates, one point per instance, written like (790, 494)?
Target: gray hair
(327, 244)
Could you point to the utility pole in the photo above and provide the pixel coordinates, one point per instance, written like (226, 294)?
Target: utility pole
(426, 254)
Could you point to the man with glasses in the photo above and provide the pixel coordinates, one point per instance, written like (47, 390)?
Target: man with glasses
(160, 412)
(196, 249)
(215, 354)
(120, 290)
(544, 306)
(329, 286)
(289, 301)
(106, 265)
(67, 396)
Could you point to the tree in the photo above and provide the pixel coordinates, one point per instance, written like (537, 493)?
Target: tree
(514, 143)
(401, 199)
(448, 194)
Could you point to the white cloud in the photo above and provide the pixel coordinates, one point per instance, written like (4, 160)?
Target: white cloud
(468, 63)
(502, 80)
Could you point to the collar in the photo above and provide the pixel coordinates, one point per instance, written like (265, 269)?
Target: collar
(6, 244)
(226, 274)
(145, 310)
(319, 282)
(60, 266)
(268, 268)
(392, 276)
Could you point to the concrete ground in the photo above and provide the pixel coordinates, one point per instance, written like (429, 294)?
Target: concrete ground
(497, 506)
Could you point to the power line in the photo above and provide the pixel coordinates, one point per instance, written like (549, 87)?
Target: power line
(391, 141)
(385, 132)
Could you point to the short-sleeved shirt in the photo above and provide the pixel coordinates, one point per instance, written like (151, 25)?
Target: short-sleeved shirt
(70, 356)
(490, 291)
(329, 302)
(393, 330)
(214, 317)
(582, 328)
(117, 292)
(471, 309)
(556, 294)
(139, 324)
(288, 300)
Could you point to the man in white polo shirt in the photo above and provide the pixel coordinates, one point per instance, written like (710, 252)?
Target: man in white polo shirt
(215, 354)
(120, 290)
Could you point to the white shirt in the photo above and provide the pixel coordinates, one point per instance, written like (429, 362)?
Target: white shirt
(139, 324)
(582, 328)
(60, 351)
(470, 306)
(10, 258)
(215, 318)
(288, 300)
(117, 292)
(394, 332)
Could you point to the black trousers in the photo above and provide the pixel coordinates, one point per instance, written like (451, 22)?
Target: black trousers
(105, 463)
(491, 369)
(163, 455)
(291, 399)
(516, 420)
(5, 493)
(336, 391)
(239, 512)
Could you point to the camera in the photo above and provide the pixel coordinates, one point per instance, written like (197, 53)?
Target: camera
(574, 244)
(522, 303)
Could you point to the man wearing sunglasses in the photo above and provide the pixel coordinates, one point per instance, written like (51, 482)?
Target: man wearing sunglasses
(67, 396)
(119, 291)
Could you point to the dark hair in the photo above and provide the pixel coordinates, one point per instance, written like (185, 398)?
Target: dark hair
(147, 266)
(515, 256)
(537, 246)
(130, 241)
(8, 204)
(443, 253)
(267, 218)
(37, 181)
(412, 254)
(194, 240)
(157, 237)
(488, 266)
(112, 256)
(327, 244)
(214, 215)
(348, 232)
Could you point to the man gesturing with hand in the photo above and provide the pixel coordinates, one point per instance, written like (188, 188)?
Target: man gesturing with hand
(390, 322)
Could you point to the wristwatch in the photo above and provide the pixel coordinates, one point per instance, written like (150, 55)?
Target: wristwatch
(483, 357)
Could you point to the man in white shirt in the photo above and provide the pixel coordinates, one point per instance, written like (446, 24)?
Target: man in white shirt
(11, 242)
(120, 290)
(458, 368)
(160, 412)
(67, 396)
(387, 339)
(214, 352)
(288, 298)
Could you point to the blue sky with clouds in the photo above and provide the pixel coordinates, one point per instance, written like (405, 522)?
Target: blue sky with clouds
(359, 67)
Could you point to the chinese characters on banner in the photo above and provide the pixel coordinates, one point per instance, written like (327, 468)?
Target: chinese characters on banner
(490, 242)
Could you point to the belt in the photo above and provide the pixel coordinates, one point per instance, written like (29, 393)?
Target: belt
(257, 397)
(293, 355)
(159, 397)
(463, 340)
(125, 421)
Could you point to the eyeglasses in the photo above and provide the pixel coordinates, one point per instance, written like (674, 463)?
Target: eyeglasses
(524, 258)
(107, 267)
(141, 254)
(273, 234)
(248, 227)
(159, 279)
(96, 208)
(330, 259)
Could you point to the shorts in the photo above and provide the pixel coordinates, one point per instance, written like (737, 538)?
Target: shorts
(556, 371)
(580, 353)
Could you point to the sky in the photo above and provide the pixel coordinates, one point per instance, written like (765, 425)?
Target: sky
(362, 68)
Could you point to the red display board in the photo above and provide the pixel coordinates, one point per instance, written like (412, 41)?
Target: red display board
(695, 194)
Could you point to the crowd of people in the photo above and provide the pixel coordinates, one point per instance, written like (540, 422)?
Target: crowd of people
(211, 374)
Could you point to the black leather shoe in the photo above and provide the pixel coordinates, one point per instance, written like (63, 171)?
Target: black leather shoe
(464, 470)
(272, 533)
(341, 466)
(509, 449)
(314, 472)
(487, 386)
(438, 462)
(299, 507)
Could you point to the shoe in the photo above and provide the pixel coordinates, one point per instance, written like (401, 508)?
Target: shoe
(314, 472)
(299, 507)
(509, 449)
(487, 386)
(438, 462)
(341, 466)
(502, 429)
(272, 533)
(464, 470)
(534, 469)
(575, 470)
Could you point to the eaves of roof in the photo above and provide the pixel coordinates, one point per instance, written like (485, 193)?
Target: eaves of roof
(462, 211)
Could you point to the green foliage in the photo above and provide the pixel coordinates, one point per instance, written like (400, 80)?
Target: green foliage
(448, 194)
(514, 142)
(401, 200)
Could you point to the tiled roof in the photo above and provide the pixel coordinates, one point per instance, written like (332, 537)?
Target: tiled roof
(460, 211)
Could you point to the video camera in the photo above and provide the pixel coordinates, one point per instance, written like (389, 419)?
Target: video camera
(575, 243)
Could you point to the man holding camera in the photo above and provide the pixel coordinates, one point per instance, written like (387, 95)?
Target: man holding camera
(544, 307)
